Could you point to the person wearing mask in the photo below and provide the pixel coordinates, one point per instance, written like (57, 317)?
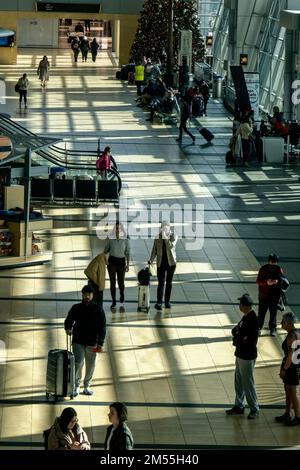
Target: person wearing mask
(87, 323)
(269, 291)
(43, 70)
(164, 251)
(118, 436)
(23, 83)
(244, 338)
(289, 370)
(67, 434)
(118, 249)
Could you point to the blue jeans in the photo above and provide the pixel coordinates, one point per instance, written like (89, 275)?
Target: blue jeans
(244, 384)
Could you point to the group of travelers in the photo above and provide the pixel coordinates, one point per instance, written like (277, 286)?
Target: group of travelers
(271, 282)
(82, 44)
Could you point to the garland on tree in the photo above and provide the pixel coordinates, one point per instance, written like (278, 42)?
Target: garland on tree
(152, 31)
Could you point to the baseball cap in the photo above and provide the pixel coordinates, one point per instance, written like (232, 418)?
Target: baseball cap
(246, 300)
(87, 288)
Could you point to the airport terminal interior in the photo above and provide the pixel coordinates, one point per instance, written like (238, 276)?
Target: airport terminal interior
(174, 368)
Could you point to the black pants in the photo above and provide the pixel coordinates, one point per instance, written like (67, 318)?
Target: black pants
(98, 294)
(139, 87)
(162, 272)
(263, 306)
(94, 55)
(23, 93)
(205, 101)
(185, 129)
(246, 149)
(119, 272)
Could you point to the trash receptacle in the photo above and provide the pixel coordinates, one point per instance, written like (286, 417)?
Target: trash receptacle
(217, 86)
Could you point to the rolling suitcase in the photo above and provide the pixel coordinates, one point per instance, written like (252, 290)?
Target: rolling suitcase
(60, 379)
(143, 298)
(206, 134)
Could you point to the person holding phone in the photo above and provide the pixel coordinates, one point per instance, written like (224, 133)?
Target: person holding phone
(164, 251)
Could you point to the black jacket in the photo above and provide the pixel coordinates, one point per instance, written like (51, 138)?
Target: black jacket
(88, 322)
(245, 335)
(121, 439)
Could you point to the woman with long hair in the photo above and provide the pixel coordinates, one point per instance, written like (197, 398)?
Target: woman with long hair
(67, 434)
(289, 371)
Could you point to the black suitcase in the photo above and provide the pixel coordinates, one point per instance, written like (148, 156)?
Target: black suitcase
(229, 158)
(118, 75)
(206, 134)
(108, 189)
(60, 379)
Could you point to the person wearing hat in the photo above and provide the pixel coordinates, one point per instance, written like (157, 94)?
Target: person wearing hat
(269, 291)
(245, 335)
(87, 322)
(164, 251)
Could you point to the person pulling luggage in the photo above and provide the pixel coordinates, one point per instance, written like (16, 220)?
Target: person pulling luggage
(87, 322)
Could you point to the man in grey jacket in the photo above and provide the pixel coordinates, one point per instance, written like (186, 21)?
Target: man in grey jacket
(164, 250)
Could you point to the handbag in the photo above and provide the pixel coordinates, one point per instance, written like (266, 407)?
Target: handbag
(17, 87)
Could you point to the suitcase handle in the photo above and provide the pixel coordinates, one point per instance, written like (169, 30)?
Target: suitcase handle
(69, 343)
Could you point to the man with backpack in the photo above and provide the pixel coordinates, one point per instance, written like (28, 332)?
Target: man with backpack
(75, 48)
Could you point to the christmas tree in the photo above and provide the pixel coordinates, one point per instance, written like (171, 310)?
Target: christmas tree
(152, 33)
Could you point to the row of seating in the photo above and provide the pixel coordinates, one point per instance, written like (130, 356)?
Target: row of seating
(73, 190)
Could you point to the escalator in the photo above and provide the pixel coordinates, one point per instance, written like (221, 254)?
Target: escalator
(45, 149)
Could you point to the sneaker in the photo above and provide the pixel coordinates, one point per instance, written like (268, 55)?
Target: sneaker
(113, 305)
(88, 391)
(158, 306)
(273, 332)
(77, 391)
(253, 415)
(168, 305)
(282, 418)
(236, 410)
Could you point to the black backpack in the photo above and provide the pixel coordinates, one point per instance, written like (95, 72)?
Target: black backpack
(144, 277)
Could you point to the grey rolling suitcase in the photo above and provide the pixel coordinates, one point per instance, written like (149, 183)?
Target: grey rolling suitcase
(60, 379)
(144, 298)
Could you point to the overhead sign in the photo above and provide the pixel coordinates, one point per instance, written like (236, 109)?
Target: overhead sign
(68, 7)
(186, 43)
(252, 84)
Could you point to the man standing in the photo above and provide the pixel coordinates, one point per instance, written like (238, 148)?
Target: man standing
(139, 72)
(245, 335)
(164, 250)
(269, 291)
(87, 322)
(185, 114)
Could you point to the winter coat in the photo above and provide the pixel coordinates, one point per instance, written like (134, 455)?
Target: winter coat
(58, 440)
(96, 271)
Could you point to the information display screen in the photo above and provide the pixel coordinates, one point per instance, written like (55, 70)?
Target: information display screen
(68, 7)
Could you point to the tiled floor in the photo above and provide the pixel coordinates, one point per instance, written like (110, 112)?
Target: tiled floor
(174, 369)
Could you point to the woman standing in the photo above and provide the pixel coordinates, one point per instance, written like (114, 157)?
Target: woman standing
(23, 83)
(67, 434)
(118, 435)
(118, 248)
(43, 70)
(164, 250)
(289, 371)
